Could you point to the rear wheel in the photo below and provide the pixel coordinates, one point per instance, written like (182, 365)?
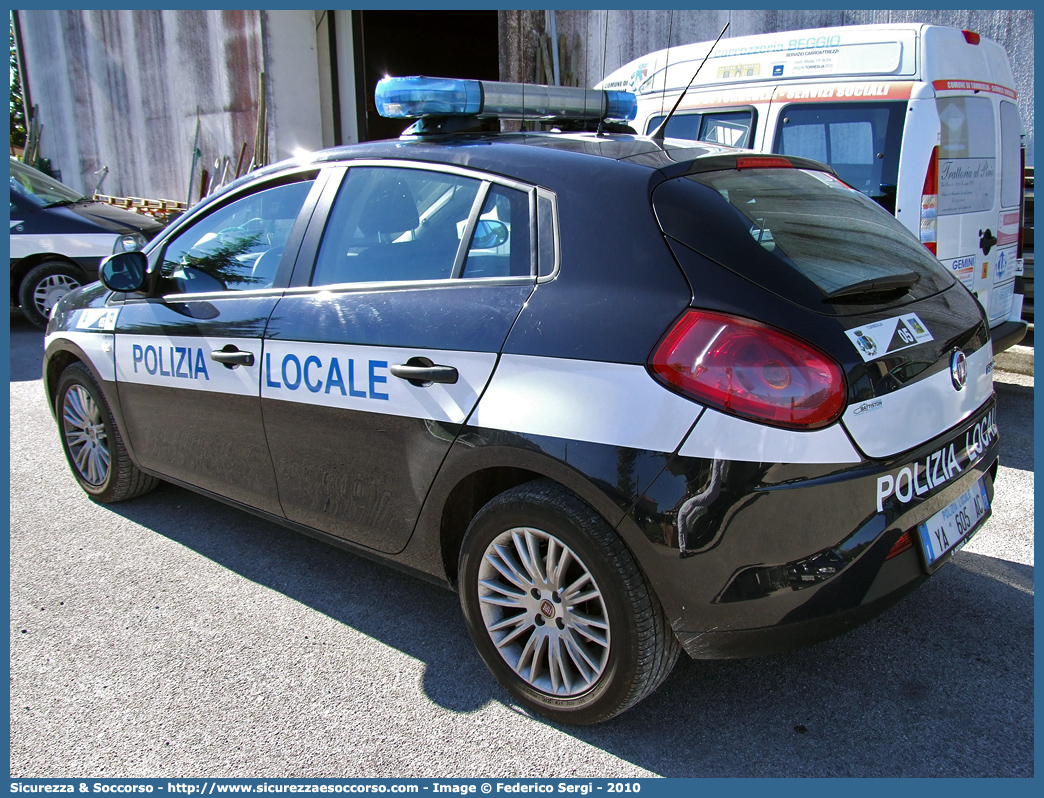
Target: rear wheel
(92, 442)
(44, 285)
(558, 607)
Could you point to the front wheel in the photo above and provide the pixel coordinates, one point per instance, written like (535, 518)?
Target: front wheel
(92, 442)
(558, 607)
(43, 286)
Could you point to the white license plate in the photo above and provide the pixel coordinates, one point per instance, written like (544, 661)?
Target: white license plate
(951, 526)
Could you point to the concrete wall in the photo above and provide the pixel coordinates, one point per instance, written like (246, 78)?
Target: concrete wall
(633, 33)
(292, 75)
(337, 75)
(121, 89)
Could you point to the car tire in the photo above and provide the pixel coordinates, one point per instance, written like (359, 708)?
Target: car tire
(92, 442)
(546, 647)
(44, 285)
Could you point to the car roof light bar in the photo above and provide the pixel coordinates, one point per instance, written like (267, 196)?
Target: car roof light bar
(420, 97)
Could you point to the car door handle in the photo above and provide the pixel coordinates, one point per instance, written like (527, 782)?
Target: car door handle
(422, 372)
(987, 241)
(232, 357)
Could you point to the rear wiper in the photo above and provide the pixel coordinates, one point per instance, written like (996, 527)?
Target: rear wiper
(876, 285)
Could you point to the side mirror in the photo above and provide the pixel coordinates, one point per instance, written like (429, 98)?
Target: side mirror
(124, 272)
(489, 234)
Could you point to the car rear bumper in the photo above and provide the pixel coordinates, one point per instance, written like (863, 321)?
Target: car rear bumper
(897, 577)
(775, 559)
(1006, 335)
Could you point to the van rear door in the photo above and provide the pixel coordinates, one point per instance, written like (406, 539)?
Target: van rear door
(969, 205)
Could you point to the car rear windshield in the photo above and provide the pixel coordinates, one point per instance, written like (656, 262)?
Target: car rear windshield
(800, 233)
(860, 140)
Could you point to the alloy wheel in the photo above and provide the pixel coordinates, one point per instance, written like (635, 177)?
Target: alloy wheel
(544, 611)
(85, 435)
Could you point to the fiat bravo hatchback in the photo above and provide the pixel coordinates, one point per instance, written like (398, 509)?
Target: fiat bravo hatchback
(628, 397)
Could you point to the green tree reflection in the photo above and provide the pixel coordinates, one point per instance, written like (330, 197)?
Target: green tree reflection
(225, 263)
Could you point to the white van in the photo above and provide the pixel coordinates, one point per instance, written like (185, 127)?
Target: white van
(921, 118)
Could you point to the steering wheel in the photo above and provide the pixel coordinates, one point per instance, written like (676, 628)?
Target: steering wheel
(256, 225)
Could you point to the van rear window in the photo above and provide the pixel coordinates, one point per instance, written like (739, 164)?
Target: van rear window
(799, 233)
(861, 141)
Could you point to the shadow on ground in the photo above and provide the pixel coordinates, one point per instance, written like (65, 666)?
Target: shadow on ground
(875, 702)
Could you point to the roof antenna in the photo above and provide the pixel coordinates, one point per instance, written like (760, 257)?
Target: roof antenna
(661, 129)
(605, 47)
(667, 60)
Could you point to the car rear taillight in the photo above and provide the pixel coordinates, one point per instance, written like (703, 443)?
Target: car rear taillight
(750, 369)
(930, 204)
(971, 36)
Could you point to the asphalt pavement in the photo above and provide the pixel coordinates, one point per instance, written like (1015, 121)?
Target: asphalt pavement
(172, 636)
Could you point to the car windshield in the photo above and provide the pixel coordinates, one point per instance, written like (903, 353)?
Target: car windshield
(39, 189)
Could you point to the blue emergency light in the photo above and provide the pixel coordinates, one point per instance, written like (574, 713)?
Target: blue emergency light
(420, 97)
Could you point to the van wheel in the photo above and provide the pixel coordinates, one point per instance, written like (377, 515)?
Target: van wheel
(44, 285)
(559, 609)
(92, 441)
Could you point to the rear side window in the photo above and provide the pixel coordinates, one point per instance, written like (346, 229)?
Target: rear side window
(392, 224)
(799, 233)
(860, 140)
(733, 128)
(547, 236)
(395, 224)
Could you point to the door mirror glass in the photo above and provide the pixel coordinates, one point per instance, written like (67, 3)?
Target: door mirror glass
(124, 272)
(489, 233)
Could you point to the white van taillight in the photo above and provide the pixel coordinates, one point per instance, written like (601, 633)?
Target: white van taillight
(930, 204)
(971, 36)
(750, 369)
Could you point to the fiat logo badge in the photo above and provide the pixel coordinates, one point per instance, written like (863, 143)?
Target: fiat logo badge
(959, 369)
(547, 608)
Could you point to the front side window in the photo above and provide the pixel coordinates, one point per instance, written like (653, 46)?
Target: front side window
(236, 248)
(395, 224)
(861, 141)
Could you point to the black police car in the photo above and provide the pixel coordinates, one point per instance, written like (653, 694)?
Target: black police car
(627, 396)
(58, 238)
